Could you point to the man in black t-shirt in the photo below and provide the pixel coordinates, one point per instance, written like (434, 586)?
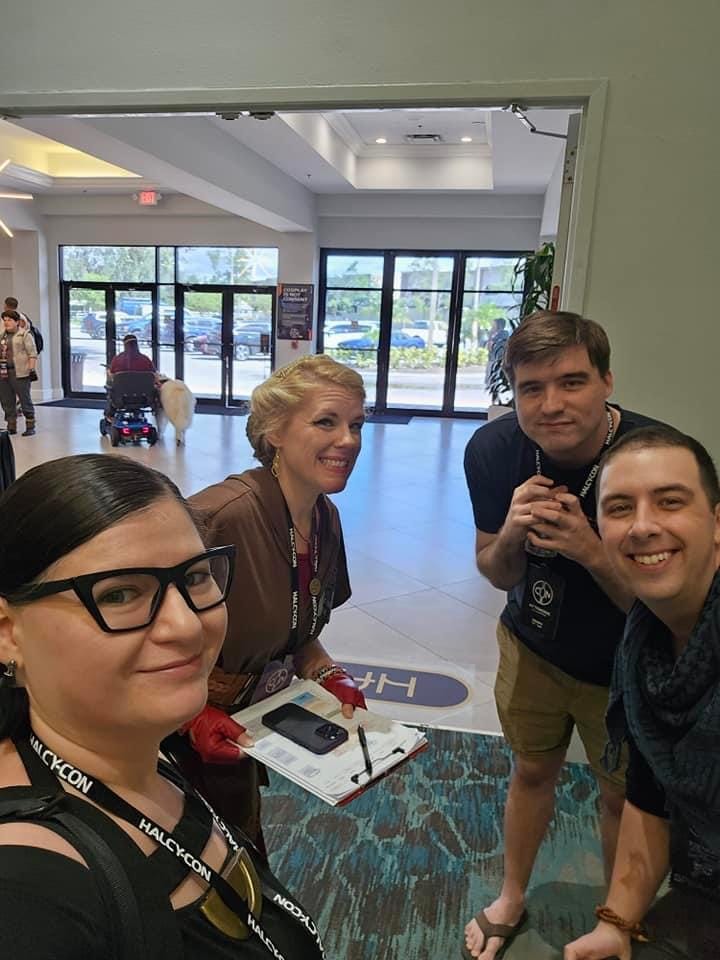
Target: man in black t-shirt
(530, 475)
(659, 513)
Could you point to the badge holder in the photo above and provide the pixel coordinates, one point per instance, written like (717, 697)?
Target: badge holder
(542, 602)
(277, 675)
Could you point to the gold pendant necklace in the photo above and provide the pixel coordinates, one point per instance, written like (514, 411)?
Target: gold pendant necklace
(242, 876)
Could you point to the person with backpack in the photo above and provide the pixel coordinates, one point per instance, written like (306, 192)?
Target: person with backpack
(26, 323)
(18, 358)
(112, 614)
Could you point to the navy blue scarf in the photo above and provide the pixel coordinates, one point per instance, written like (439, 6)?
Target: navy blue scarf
(671, 708)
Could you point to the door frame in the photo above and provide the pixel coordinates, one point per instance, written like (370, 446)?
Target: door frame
(452, 352)
(110, 289)
(227, 291)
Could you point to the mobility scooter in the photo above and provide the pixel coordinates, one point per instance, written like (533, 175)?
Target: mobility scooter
(131, 396)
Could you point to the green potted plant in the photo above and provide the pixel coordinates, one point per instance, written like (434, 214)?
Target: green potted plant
(537, 271)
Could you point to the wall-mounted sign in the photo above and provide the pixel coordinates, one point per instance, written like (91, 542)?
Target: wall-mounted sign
(295, 310)
(148, 198)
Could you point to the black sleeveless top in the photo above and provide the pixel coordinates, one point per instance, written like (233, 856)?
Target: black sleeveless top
(50, 908)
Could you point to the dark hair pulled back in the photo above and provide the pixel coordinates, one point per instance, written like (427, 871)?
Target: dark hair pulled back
(54, 508)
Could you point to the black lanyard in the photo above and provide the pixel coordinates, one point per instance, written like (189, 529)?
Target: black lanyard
(110, 801)
(590, 479)
(315, 585)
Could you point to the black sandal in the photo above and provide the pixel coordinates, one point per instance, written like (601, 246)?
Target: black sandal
(505, 931)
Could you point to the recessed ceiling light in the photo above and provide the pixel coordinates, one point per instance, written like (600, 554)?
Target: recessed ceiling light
(380, 140)
(466, 139)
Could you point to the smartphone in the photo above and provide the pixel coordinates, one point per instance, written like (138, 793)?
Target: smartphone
(308, 729)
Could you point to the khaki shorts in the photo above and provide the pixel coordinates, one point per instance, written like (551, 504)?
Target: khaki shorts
(539, 704)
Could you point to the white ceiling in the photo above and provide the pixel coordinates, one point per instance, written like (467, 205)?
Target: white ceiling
(310, 147)
(245, 165)
(362, 128)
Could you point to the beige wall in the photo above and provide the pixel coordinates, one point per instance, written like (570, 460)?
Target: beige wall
(6, 268)
(653, 252)
(436, 233)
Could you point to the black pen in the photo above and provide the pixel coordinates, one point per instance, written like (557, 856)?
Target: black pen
(363, 743)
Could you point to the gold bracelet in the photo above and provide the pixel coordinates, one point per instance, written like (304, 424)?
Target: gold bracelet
(330, 670)
(637, 931)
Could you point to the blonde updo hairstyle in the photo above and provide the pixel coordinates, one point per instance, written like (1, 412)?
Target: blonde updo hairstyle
(277, 398)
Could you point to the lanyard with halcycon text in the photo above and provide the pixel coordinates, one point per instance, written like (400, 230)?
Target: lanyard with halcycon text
(590, 479)
(315, 585)
(110, 801)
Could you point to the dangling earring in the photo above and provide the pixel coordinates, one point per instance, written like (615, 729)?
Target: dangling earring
(275, 464)
(7, 679)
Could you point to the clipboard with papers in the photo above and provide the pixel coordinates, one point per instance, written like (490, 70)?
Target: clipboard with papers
(342, 774)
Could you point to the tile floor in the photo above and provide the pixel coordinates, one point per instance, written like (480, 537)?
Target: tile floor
(418, 601)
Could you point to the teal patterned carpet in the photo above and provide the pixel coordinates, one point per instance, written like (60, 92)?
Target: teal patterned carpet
(397, 873)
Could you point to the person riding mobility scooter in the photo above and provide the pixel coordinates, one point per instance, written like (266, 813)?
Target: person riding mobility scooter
(131, 396)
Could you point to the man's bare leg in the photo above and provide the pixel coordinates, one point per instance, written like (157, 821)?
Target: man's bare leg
(528, 811)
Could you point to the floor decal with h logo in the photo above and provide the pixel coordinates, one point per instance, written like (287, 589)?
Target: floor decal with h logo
(417, 687)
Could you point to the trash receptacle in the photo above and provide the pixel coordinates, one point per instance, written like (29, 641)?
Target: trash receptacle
(77, 364)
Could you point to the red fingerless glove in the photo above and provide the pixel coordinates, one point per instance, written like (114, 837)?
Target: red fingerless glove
(210, 733)
(343, 687)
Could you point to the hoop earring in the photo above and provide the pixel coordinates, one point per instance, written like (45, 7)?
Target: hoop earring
(275, 464)
(7, 679)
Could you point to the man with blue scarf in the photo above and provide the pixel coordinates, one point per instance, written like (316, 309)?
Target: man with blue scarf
(659, 518)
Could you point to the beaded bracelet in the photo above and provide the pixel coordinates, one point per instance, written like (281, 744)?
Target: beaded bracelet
(637, 930)
(331, 670)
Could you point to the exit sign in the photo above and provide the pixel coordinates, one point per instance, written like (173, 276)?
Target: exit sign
(148, 198)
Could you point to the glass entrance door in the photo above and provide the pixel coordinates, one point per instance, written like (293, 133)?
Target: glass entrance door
(87, 309)
(252, 336)
(133, 314)
(420, 323)
(218, 339)
(227, 339)
(100, 316)
(202, 339)
(351, 312)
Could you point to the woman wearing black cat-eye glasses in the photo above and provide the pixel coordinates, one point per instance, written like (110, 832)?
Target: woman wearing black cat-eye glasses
(112, 614)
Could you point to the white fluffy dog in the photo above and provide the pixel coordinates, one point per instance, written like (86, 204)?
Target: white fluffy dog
(177, 404)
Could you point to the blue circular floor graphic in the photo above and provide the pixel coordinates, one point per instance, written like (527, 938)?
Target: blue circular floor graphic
(417, 687)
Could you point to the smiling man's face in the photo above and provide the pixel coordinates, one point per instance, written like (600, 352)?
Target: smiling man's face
(658, 527)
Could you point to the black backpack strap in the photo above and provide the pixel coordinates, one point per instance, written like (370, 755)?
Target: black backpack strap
(122, 915)
(124, 926)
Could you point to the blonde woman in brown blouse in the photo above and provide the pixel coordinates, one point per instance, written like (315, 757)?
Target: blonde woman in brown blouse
(305, 428)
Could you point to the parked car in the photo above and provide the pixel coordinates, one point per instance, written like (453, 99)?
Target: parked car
(204, 334)
(398, 339)
(94, 323)
(251, 338)
(421, 328)
(334, 332)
